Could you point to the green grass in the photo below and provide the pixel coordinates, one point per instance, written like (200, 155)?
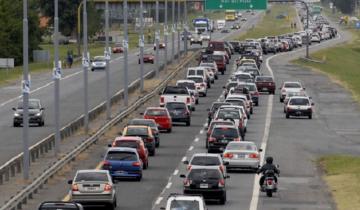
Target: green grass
(270, 25)
(342, 174)
(341, 63)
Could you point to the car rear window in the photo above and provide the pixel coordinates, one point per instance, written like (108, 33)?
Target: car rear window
(91, 176)
(121, 155)
(134, 131)
(215, 106)
(212, 125)
(232, 114)
(196, 79)
(249, 147)
(155, 112)
(175, 90)
(131, 144)
(292, 85)
(299, 101)
(205, 161)
(236, 102)
(177, 106)
(184, 205)
(31, 104)
(149, 123)
(201, 174)
(225, 132)
(264, 79)
(189, 85)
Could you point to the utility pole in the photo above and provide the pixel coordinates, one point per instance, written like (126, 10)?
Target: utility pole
(157, 38)
(107, 58)
(86, 65)
(185, 28)
(178, 30)
(25, 91)
(126, 47)
(173, 31)
(56, 77)
(166, 33)
(141, 44)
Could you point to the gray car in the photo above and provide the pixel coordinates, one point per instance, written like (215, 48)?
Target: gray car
(36, 113)
(99, 62)
(93, 187)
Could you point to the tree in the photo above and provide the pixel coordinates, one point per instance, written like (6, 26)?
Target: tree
(11, 33)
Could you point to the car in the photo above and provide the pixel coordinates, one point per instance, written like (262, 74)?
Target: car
(225, 31)
(244, 118)
(228, 86)
(290, 86)
(186, 34)
(244, 19)
(91, 187)
(221, 135)
(223, 53)
(161, 45)
(196, 39)
(235, 26)
(148, 122)
(36, 113)
(265, 84)
(299, 106)
(242, 155)
(290, 94)
(214, 107)
(123, 162)
(118, 48)
(200, 84)
(161, 117)
(200, 71)
(145, 132)
(148, 58)
(212, 124)
(133, 142)
(191, 86)
(244, 97)
(242, 77)
(315, 38)
(205, 36)
(60, 205)
(206, 159)
(254, 93)
(179, 112)
(220, 61)
(207, 181)
(212, 65)
(99, 62)
(253, 71)
(185, 202)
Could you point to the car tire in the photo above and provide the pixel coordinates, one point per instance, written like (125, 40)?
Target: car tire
(287, 116)
(216, 77)
(208, 85)
(249, 116)
(251, 111)
(188, 123)
(213, 81)
(310, 116)
(206, 144)
(139, 62)
(152, 62)
(193, 108)
(92, 69)
(111, 206)
(157, 144)
(152, 152)
(204, 94)
(222, 200)
(197, 101)
(139, 178)
(245, 129)
(281, 100)
(222, 73)
(16, 124)
(146, 165)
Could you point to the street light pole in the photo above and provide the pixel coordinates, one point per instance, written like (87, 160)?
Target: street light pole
(173, 31)
(157, 37)
(126, 47)
(25, 91)
(107, 58)
(185, 28)
(56, 77)
(166, 33)
(178, 30)
(141, 44)
(86, 65)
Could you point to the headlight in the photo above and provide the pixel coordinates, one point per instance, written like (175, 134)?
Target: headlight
(16, 114)
(38, 114)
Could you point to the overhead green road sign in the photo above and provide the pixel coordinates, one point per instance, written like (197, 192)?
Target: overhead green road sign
(236, 4)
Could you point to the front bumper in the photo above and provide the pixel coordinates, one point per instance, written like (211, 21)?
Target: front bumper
(34, 119)
(93, 198)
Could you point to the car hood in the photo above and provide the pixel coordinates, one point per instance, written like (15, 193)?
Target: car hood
(31, 111)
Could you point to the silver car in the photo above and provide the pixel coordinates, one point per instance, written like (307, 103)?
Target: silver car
(99, 62)
(242, 154)
(93, 187)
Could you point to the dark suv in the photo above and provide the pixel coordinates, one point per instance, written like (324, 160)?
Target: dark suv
(213, 109)
(221, 135)
(60, 205)
(179, 112)
(36, 113)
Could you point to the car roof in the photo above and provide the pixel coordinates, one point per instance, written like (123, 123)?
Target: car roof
(242, 73)
(287, 82)
(206, 155)
(224, 126)
(185, 81)
(195, 76)
(92, 171)
(128, 138)
(137, 126)
(205, 167)
(157, 108)
(121, 149)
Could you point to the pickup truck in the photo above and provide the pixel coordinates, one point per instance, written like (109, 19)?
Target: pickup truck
(176, 94)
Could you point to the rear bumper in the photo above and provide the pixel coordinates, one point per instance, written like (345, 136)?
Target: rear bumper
(126, 174)
(242, 163)
(93, 198)
(206, 193)
(299, 112)
(180, 119)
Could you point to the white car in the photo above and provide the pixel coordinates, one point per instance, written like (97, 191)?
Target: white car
(242, 155)
(99, 62)
(315, 38)
(299, 106)
(213, 67)
(290, 86)
(178, 201)
(200, 84)
(206, 159)
(191, 86)
(205, 36)
(242, 97)
(242, 110)
(290, 94)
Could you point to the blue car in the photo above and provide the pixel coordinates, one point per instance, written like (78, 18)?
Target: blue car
(123, 162)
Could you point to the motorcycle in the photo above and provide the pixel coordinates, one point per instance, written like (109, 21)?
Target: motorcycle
(270, 184)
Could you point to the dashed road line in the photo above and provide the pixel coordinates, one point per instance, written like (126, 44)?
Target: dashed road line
(191, 148)
(158, 200)
(168, 185)
(196, 139)
(176, 172)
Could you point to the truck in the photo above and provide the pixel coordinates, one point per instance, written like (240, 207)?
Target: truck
(230, 15)
(202, 25)
(220, 24)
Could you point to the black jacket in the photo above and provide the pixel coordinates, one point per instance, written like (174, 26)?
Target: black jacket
(267, 167)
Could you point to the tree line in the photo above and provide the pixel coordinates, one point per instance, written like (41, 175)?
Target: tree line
(345, 6)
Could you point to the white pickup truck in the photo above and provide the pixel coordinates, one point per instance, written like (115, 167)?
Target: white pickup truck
(177, 94)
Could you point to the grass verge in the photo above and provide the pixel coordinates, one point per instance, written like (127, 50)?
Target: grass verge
(270, 25)
(342, 175)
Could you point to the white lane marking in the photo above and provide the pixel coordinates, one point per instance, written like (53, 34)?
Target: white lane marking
(168, 185)
(196, 139)
(183, 159)
(201, 131)
(158, 200)
(176, 172)
(191, 148)
(205, 124)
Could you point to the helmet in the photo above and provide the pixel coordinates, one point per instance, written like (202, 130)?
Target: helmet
(269, 160)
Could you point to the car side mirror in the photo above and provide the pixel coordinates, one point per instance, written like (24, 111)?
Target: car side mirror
(14, 108)
(182, 176)
(227, 177)
(42, 108)
(70, 181)
(186, 162)
(260, 150)
(226, 163)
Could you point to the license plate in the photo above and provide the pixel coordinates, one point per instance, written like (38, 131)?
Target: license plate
(91, 188)
(224, 141)
(119, 172)
(298, 113)
(265, 89)
(204, 186)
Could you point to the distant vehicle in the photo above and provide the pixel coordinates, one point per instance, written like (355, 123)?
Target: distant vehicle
(203, 25)
(290, 94)
(91, 187)
(235, 26)
(230, 15)
(221, 135)
(196, 39)
(289, 86)
(212, 124)
(148, 58)
(118, 48)
(161, 117)
(145, 133)
(179, 112)
(200, 84)
(265, 84)
(99, 62)
(206, 159)
(60, 205)
(299, 106)
(185, 202)
(191, 86)
(212, 110)
(188, 35)
(123, 162)
(244, 19)
(205, 36)
(161, 45)
(220, 24)
(212, 65)
(36, 113)
(225, 31)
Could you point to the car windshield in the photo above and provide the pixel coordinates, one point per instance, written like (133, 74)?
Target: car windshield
(212, 125)
(250, 87)
(232, 114)
(143, 122)
(175, 90)
(155, 112)
(292, 85)
(184, 205)
(177, 106)
(299, 101)
(189, 85)
(225, 132)
(205, 161)
(201, 174)
(32, 105)
(121, 155)
(250, 147)
(264, 79)
(131, 144)
(136, 131)
(196, 79)
(91, 176)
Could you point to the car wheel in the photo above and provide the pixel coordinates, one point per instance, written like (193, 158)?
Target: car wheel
(146, 165)
(139, 61)
(216, 77)
(152, 152)
(139, 178)
(287, 116)
(157, 144)
(40, 124)
(152, 62)
(251, 111)
(245, 129)
(111, 206)
(208, 85)
(206, 144)
(222, 72)
(188, 123)
(281, 100)
(16, 124)
(249, 116)
(310, 116)
(193, 108)
(92, 69)
(223, 199)
(212, 81)
(204, 94)
(197, 101)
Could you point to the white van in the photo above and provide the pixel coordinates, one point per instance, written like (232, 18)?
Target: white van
(199, 71)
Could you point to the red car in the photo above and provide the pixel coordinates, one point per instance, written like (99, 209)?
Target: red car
(265, 84)
(220, 61)
(118, 48)
(133, 142)
(148, 58)
(161, 117)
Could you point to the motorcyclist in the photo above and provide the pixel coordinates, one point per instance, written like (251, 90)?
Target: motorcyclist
(267, 167)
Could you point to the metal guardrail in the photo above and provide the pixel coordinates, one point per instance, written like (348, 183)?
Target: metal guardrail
(14, 165)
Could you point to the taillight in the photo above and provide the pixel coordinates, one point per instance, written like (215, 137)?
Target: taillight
(228, 155)
(254, 155)
(149, 139)
(74, 187)
(138, 164)
(187, 183)
(189, 167)
(269, 181)
(106, 165)
(211, 139)
(221, 183)
(162, 99)
(188, 100)
(107, 188)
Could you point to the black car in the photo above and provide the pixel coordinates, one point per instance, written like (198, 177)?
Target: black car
(152, 124)
(60, 205)
(36, 113)
(207, 181)
(212, 110)
(179, 112)
(221, 135)
(225, 31)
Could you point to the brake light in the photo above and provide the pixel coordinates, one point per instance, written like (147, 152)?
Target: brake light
(228, 155)
(149, 139)
(187, 183)
(107, 188)
(269, 182)
(189, 167)
(211, 139)
(138, 164)
(188, 100)
(162, 100)
(254, 155)
(74, 187)
(106, 165)
(221, 183)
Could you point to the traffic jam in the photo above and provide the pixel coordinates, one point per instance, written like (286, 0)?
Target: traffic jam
(227, 146)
